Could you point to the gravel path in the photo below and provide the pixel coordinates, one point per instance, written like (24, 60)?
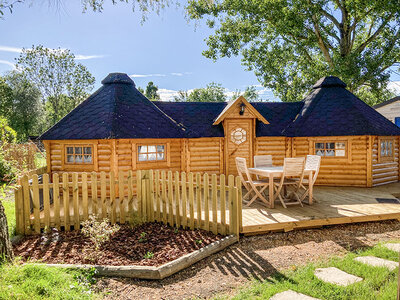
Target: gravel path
(255, 257)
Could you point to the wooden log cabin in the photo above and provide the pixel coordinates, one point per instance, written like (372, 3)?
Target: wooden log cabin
(118, 128)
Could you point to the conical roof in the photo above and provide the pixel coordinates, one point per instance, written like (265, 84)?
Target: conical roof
(116, 110)
(331, 110)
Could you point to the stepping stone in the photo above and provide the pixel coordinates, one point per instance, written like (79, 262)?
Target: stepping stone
(336, 276)
(377, 262)
(393, 246)
(291, 295)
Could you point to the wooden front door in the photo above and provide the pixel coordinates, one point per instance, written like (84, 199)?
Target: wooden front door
(239, 143)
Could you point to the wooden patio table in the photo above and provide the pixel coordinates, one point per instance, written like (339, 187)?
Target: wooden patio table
(276, 172)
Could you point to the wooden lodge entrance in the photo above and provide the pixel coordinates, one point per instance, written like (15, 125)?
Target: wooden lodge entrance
(239, 120)
(239, 137)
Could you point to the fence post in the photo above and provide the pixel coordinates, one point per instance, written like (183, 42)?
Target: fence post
(232, 196)
(238, 206)
(27, 204)
(19, 211)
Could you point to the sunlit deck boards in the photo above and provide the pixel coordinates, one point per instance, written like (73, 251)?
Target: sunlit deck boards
(333, 205)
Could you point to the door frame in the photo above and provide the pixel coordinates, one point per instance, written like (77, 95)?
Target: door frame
(251, 137)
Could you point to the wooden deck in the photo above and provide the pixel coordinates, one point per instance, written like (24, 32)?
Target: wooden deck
(333, 205)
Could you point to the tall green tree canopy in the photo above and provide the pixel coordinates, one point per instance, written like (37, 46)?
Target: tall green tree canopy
(151, 91)
(213, 92)
(62, 81)
(290, 44)
(24, 112)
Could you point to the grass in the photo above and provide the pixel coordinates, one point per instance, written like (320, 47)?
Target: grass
(9, 206)
(33, 281)
(378, 283)
(40, 160)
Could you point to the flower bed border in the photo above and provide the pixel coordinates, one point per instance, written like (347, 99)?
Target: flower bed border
(151, 272)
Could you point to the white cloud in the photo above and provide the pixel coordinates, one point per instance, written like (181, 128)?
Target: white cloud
(77, 56)
(394, 86)
(84, 57)
(6, 62)
(146, 75)
(177, 74)
(167, 95)
(10, 49)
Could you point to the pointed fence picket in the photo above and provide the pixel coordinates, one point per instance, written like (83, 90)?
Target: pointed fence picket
(190, 200)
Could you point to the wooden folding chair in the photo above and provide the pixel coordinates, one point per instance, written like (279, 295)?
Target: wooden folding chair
(313, 162)
(293, 174)
(252, 186)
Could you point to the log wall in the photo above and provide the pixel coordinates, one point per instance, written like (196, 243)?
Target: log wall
(360, 167)
(384, 172)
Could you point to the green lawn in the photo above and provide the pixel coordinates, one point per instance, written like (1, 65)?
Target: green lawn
(32, 281)
(9, 206)
(378, 283)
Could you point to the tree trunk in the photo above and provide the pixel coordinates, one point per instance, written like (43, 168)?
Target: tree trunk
(6, 252)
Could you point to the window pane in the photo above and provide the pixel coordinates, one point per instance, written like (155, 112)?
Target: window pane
(340, 153)
(320, 152)
(390, 148)
(87, 158)
(152, 156)
(160, 148)
(87, 150)
(70, 158)
(142, 157)
(383, 144)
(151, 149)
(330, 153)
(330, 146)
(78, 150)
(70, 150)
(78, 158)
(142, 149)
(340, 145)
(319, 145)
(160, 156)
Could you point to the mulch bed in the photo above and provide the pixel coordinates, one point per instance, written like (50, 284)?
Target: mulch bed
(128, 246)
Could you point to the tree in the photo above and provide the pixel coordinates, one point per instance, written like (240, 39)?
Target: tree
(290, 44)
(250, 94)
(62, 81)
(151, 92)
(7, 135)
(213, 92)
(24, 111)
(5, 97)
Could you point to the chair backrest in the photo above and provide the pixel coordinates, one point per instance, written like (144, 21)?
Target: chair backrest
(293, 166)
(263, 161)
(313, 162)
(241, 166)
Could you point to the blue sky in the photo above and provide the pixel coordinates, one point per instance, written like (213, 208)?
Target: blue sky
(166, 49)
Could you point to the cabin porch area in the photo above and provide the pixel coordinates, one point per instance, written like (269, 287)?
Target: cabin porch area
(332, 205)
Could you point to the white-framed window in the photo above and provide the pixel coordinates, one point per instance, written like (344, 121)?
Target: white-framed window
(386, 149)
(331, 149)
(78, 154)
(151, 152)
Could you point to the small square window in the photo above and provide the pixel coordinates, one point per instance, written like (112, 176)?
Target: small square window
(151, 153)
(78, 155)
(331, 149)
(386, 150)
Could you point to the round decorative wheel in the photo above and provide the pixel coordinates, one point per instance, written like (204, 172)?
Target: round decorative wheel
(238, 136)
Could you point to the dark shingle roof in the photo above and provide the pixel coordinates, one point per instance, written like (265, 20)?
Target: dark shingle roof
(387, 102)
(331, 110)
(119, 110)
(116, 110)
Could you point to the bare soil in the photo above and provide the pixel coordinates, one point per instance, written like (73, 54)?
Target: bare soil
(128, 246)
(253, 258)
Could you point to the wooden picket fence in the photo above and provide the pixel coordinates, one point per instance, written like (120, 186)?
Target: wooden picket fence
(191, 200)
